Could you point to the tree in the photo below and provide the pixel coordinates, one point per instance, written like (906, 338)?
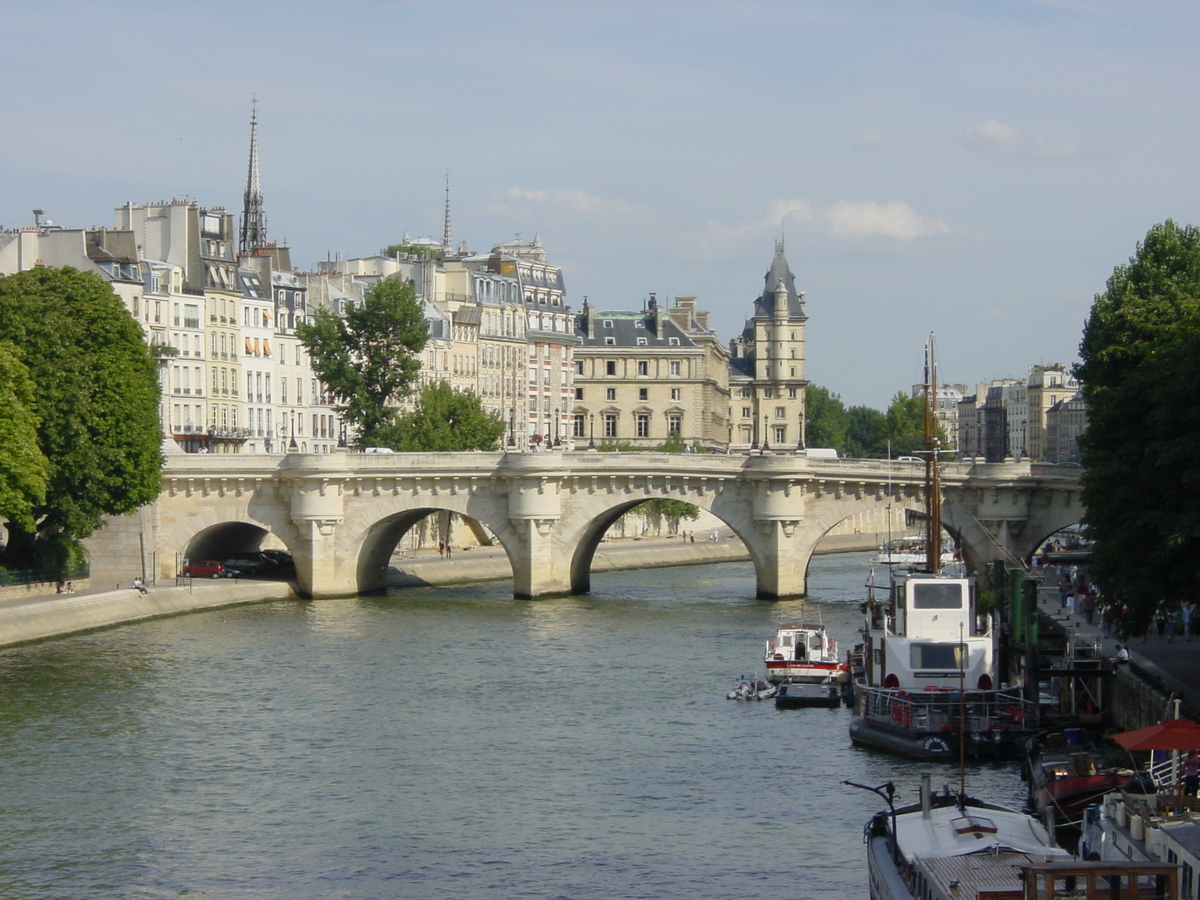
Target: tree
(96, 395)
(664, 508)
(866, 433)
(827, 420)
(905, 420)
(443, 419)
(369, 358)
(23, 467)
(1141, 480)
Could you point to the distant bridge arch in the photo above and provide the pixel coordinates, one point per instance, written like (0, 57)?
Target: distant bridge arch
(341, 515)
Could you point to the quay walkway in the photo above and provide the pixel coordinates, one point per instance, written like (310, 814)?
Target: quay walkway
(1173, 666)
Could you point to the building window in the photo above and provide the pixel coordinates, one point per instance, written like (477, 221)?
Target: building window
(578, 428)
(791, 393)
(780, 412)
(610, 367)
(579, 367)
(768, 393)
(641, 342)
(643, 393)
(610, 425)
(608, 323)
(675, 393)
(643, 425)
(780, 434)
(673, 342)
(675, 424)
(578, 393)
(675, 368)
(745, 412)
(610, 342)
(610, 394)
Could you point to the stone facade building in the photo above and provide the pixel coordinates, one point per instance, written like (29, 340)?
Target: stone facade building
(641, 377)
(767, 378)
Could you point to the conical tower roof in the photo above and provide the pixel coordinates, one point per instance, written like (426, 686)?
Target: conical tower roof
(779, 273)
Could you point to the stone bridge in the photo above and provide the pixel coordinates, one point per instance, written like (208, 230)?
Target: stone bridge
(342, 515)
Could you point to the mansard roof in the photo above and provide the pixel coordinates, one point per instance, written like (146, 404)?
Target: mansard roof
(625, 327)
(764, 304)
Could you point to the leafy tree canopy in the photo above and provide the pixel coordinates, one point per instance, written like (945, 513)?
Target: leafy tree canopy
(23, 467)
(1141, 481)
(443, 419)
(827, 418)
(866, 433)
(370, 357)
(95, 392)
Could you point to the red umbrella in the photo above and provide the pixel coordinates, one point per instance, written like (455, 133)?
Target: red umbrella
(1174, 734)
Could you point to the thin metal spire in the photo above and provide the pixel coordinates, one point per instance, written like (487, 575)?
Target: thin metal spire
(254, 217)
(446, 225)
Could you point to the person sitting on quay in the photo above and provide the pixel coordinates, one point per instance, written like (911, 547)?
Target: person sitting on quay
(1122, 657)
(139, 587)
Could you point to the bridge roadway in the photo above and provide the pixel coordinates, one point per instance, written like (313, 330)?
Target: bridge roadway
(341, 515)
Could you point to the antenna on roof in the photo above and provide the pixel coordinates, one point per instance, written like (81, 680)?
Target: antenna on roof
(446, 224)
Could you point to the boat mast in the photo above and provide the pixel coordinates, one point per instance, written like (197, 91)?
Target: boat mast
(933, 486)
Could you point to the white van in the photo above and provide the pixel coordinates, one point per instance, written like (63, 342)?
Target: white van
(821, 453)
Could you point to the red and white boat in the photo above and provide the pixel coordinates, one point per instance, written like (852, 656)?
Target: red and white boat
(802, 654)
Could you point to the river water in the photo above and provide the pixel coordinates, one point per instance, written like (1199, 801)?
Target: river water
(442, 743)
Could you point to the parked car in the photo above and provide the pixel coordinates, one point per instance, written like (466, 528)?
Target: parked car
(236, 568)
(277, 560)
(204, 568)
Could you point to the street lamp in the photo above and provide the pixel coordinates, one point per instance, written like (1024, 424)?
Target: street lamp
(591, 431)
(557, 420)
(800, 448)
(766, 447)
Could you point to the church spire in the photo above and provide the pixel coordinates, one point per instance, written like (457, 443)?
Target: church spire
(446, 224)
(254, 218)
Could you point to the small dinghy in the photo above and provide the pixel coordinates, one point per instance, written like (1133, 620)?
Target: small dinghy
(752, 688)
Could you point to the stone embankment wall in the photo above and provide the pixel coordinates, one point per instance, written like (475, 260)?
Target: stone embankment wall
(34, 619)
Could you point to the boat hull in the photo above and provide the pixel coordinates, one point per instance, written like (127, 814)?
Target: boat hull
(920, 745)
(799, 695)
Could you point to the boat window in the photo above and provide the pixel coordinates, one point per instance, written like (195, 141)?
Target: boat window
(977, 825)
(937, 595)
(937, 656)
(785, 640)
(814, 642)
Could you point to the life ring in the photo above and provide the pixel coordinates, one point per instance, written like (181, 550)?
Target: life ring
(901, 710)
(778, 657)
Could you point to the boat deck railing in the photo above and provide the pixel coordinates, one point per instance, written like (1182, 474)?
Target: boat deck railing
(947, 710)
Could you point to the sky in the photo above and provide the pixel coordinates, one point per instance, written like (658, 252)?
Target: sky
(973, 170)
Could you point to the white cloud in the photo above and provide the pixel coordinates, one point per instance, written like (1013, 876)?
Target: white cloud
(571, 198)
(864, 218)
(997, 137)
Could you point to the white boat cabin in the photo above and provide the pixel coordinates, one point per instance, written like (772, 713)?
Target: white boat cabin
(929, 636)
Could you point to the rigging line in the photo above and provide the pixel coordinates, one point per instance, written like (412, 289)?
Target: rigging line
(1007, 553)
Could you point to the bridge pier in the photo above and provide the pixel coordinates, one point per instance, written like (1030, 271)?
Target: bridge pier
(342, 514)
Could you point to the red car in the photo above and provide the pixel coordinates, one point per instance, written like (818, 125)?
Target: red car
(205, 568)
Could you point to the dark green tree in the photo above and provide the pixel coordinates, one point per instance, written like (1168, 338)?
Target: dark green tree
(827, 420)
(905, 420)
(443, 419)
(371, 357)
(866, 433)
(96, 395)
(1140, 364)
(663, 508)
(23, 467)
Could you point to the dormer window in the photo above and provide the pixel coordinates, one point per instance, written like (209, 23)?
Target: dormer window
(608, 323)
(610, 341)
(673, 342)
(640, 324)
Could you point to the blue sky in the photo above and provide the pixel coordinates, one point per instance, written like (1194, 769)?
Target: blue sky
(970, 169)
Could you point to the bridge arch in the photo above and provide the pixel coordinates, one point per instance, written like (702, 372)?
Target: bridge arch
(339, 513)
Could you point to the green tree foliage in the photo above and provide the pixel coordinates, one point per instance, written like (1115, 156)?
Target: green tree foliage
(23, 467)
(1140, 364)
(866, 433)
(96, 396)
(827, 419)
(370, 357)
(443, 419)
(905, 421)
